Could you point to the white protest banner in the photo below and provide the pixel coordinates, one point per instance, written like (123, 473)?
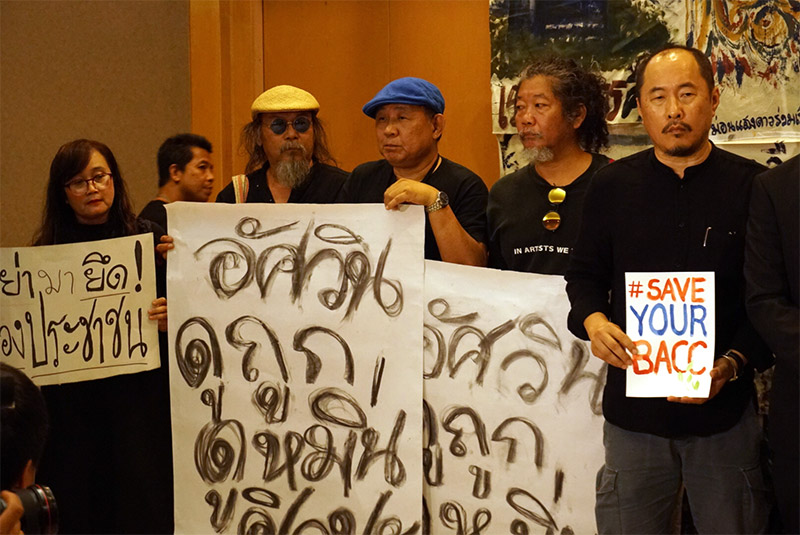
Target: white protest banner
(295, 368)
(513, 432)
(670, 317)
(77, 312)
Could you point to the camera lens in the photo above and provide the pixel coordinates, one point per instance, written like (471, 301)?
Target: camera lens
(41, 511)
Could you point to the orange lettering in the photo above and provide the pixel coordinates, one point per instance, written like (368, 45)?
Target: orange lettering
(653, 285)
(696, 290)
(682, 291)
(691, 348)
(642, 356)
(668, 290)
(663, 356)
(674, 349)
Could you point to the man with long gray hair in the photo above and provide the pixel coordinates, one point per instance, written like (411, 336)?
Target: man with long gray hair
(289, 156)
(534, 213)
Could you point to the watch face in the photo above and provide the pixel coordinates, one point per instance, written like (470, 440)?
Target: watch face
(443, 199)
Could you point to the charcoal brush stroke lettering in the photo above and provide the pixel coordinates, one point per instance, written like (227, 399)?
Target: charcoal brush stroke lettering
(200, 354)
(251, 347)
(313, 362)
(221, 516)
(214, 455)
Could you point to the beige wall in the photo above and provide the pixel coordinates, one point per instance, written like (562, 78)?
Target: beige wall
(114, 71)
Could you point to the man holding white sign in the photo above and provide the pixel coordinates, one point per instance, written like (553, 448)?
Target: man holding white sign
(681, 220)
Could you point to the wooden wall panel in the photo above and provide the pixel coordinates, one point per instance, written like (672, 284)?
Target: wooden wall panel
(447, 43)
(337, 51)
(343, 52)
(226, 75)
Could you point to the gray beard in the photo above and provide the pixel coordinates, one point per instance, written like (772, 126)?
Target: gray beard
(538, 154)
(292, 173)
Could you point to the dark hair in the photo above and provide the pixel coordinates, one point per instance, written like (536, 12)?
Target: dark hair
(251, 141)
(574, 87)
(178, 150)
(701, 59)
(23, 425)
(58, 216)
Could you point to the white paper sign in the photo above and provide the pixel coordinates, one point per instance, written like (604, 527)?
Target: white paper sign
(670, 317)
(513, 427)
(76, 312)
(295, 368)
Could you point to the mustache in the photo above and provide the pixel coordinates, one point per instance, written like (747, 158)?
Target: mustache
(528, 133)
(676, 123)
(293, 145)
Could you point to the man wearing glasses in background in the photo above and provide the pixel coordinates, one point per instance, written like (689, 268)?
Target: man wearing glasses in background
(288, 149)
(534, 213)
(680, 206)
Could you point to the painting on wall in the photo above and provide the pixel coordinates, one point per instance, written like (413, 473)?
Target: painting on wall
(753, 48)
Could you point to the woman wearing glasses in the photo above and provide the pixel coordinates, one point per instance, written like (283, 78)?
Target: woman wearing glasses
(109, 457)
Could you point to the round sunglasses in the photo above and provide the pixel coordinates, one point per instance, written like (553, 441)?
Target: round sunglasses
(300, 124)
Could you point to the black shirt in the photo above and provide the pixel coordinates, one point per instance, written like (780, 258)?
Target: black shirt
(465, 190)
(517, 203)
(154, 211)
(640, 216)
(321, 187)
(108, 456)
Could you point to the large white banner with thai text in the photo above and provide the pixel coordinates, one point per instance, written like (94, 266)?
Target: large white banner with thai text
(295, 368)
(513, 430)
(77, 312)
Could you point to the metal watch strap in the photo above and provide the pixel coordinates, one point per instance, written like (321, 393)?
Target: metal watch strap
(440, 202)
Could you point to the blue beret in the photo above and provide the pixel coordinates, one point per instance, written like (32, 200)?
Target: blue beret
(409, 90)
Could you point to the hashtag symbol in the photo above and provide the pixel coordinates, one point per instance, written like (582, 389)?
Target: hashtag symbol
(636, 289)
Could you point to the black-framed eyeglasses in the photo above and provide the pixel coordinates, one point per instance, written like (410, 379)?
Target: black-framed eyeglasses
(81, 185)
(552, 219)
(300, 124)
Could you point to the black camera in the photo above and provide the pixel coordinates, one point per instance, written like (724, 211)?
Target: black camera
(41, 511)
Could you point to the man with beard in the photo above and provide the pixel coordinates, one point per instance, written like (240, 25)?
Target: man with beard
(680, 206)
(288, 149)
(409, 123)
(534, 213)
(185, 173)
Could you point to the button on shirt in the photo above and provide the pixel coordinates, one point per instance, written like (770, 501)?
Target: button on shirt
(640, 216)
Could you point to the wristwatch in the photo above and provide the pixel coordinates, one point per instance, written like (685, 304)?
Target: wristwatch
(440, 202)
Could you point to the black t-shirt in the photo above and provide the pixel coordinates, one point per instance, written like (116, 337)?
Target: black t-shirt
(517, 238)
(639, 216)
(108, 456)
(154, 211)
(321, 187)
(465, 190)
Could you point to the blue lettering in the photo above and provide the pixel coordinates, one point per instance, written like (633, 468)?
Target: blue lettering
(663, 328)
(640, 318)
(698, 316)
(672, 319)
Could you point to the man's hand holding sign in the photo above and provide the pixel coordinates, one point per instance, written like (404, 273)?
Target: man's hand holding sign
(668, 348)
